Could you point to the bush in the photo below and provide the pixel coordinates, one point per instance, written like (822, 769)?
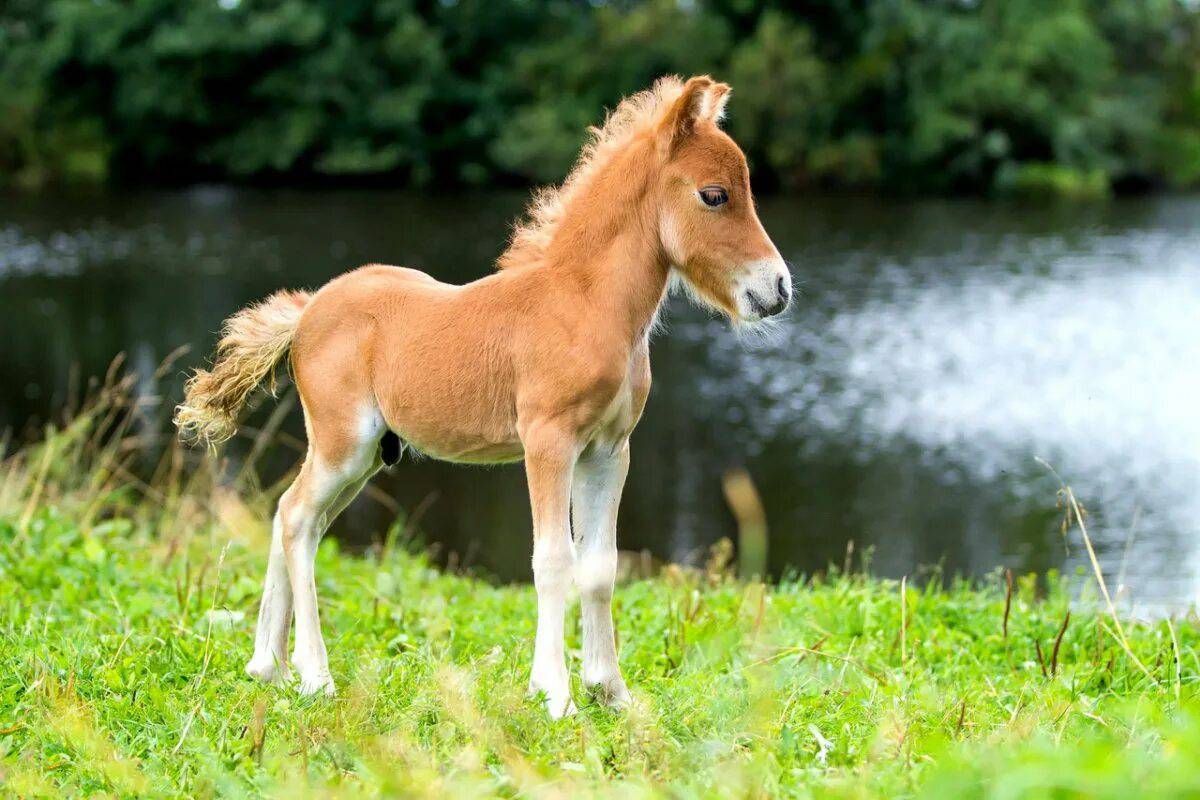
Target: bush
(1051, 180)
(904, 95)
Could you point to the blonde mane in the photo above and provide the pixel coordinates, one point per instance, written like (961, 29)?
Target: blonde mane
(634, 115)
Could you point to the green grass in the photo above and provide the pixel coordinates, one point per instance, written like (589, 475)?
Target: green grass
(126, 616)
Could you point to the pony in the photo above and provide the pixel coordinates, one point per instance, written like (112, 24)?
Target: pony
(546, 360)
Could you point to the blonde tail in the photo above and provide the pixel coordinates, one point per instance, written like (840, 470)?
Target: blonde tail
(252, 342)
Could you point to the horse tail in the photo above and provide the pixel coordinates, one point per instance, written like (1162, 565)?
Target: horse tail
(252, 342)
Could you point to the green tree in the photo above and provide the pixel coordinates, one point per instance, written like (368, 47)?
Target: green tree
(1072, 96)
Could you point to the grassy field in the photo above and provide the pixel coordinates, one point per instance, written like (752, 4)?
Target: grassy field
(126, 611)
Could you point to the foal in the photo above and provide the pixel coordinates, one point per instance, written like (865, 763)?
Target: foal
(545, 360)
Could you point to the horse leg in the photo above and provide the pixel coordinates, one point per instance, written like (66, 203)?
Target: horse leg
(323, 488)
(549, 461)
(269, 662)
(596, 494)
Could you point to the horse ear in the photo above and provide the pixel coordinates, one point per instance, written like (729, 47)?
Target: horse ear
(718, 96)
(680, 119)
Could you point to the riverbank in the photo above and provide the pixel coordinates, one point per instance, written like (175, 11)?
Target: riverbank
(128, 609)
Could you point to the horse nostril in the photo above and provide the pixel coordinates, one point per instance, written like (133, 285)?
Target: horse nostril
(785, 289)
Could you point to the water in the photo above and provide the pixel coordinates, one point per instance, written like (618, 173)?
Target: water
(936, 348)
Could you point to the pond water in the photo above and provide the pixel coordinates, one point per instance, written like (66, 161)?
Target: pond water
(936, 349)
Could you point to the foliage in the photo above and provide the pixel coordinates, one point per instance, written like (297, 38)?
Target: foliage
(899, 95)
(128, 606)
(1035, 179)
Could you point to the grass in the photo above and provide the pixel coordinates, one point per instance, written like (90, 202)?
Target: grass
(126, 611)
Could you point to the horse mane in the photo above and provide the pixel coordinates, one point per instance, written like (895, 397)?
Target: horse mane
(634, 115)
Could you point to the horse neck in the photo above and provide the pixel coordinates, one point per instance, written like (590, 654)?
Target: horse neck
(609, 245)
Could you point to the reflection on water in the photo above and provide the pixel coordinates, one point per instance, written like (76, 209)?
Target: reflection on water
(936, 348)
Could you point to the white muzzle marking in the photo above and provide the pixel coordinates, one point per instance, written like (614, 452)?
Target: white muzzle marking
(764, 290)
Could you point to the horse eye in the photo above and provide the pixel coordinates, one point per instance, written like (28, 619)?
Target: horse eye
(714, 196)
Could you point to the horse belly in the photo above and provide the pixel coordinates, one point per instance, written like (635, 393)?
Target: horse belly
(452, 415)
(462, 446)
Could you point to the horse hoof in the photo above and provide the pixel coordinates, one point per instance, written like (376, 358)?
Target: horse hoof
(560, 709)
(557, 702)
(612, 693)
(267, 669)
(321, 683)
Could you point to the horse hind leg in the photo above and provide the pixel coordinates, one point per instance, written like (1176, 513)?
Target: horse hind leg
(269, 662)
(334, 471)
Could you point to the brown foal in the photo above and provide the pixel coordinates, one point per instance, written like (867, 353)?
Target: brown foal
(546, 360)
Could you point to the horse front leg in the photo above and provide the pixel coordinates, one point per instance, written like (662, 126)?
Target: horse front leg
(596, 495)
(549, 461)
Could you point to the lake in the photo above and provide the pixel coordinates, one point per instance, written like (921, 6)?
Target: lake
(935, 349)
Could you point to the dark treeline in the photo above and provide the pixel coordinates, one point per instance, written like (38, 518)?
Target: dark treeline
(1063, 96)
